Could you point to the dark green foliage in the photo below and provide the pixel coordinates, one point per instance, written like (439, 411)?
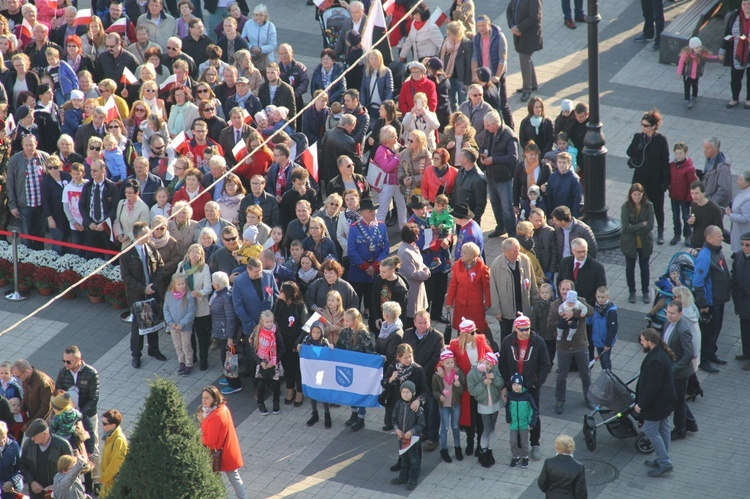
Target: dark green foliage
(166, 459)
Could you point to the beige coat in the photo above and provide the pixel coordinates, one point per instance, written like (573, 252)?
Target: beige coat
(126, 219)
(501, 287)
(416, 273)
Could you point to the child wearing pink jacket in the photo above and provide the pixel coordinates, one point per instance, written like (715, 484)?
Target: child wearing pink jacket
(690, 68)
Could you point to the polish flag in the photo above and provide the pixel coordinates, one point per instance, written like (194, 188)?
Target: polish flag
(239, 151)
(128, 77)
(10, 125)
(119, 26)
(322, 4)
(374, 29)
(83, 18)
(178, 142)
(167, 84)
(111, 108)
(26, 30)
(388, 7)
(247, 118)
(309, 158)
(438, 17)
(52, 4)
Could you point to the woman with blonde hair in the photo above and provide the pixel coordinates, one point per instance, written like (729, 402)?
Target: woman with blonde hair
(149, 94)
(563, 474)
(525, 235)
(333, 313)
(420, 118)
(459, 134)
(179, 314)
(199, 284)
(243, 61)
(412, 163)
(377, 84)
(318, 241)
(387, 159)
(456, 54)
(692, 315)
(21, 78)
(139, 113)
(94, 42)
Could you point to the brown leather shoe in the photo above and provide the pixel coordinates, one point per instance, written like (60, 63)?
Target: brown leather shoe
(569, 23)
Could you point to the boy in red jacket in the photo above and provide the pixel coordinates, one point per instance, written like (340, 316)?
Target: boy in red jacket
(682, 174)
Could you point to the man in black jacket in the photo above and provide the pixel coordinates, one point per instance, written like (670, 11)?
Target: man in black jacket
(427, 344)
(258, 195)
(112, 63)
(283, 95)
(741, 295)
(563, 475)
(471, 184)
(524, 352)
(678, 337)
(195, 43)
(41, 451)
(295, 74)
(338, 142)
(98, 207)
(498, 149)
(353, 107)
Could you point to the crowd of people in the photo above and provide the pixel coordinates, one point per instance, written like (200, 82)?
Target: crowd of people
(123, 141)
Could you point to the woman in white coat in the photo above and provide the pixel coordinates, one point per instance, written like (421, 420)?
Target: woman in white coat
(692, 315)
(739, 212)
(424, 39)
(421, 118)
(415, 271)
(199, 283)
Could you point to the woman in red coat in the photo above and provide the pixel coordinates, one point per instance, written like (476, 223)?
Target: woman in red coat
(469, 348)
(192, 190)
(469, 289)
(218, 433)
(440, 177)
(257, 163)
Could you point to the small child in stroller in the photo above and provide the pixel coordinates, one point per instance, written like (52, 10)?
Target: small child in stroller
(666, 283)
(571, 304)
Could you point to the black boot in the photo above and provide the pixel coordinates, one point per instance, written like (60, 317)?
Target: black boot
(327, 419)
(314, 419)
(459, 454)
(470, 447)
(446, 457)
(490, 457)
(352, 419)
(397, 466)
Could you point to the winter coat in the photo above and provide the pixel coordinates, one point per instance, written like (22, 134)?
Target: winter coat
(409, 166)
(416, 273)
(564, 190)
(521, 412)
(655, 393)
(38, 466)
(711, 281)
(539, 314)
(521, 180)
(424, 42)
(114, 450)
(463, 363)
(432, 185)
(405, 419)
(219, 433)
(262, 36)
(536, 363)
(223, 318)
(202, 284)
(37, 394)
(470, 187)
(438, 387)
(718, 183)
(480, 391)
(741, 285)
(498, 49)
(680, 178)
(180, 313)
(604, 325)
(502, 147)
(427, 350)
(653, 158)
(336, 92)
(462, 66)
(356, 341)
(449, 135)
(290, 317)
(681, 343)
(9, 467)
(545, 246)
(318, 290)
(87, 384)
(469, 293)
(563, 477)
(591, 276)
(503, 291)
(526, 16)
(476, 115)
(632, 229)
(383, 86)
(417, 376)
(544, 137)
(579, 342)
(577, 229)
(412, 87)
(387, 346)
(740, 218)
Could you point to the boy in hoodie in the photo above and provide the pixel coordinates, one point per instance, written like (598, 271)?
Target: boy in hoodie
(604, 326)
(522, 414)
(406, 424)
(66, 416)
(563, 187)
(682, 174)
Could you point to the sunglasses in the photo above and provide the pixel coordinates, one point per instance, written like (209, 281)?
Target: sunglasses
(203, 91)
(208, 108)
(646, 125)
(172, 49)
(110, 127)
(524, 329)
(140, 110)
(94, 148)
(53, 167)
(68, 362)
(229, 239)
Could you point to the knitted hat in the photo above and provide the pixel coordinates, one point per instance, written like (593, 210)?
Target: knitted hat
(416, 65)
(490, 358)
(76, 94)
(283, 111)
(523, 322)
(467, 326)
(409, 385)
(695, 43)
(674, 268)
(36, 427)
(22, 112)
(566, 105)
(251, 233)
(571, 296)
(261, 116)
(270, 109)
(483, 74)
(61, 402)
(320, 325)
(516, 378)
(446, 354)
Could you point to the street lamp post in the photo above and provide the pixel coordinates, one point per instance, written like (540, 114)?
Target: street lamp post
(606, 229)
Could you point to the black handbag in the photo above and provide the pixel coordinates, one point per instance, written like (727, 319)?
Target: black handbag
(385, 398)
(448, 333)
(216, 456)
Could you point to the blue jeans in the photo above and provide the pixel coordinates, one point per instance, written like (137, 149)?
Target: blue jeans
(606, 358)
(34, 223)
(449, 417)
(566, 8)
(432, 419)
(457, 94)
(658, 433)
(59, 234)
(411, 464)
(680, 214)
(361, 412)
(501, 199)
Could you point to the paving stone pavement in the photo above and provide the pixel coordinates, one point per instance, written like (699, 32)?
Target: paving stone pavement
(284, 458)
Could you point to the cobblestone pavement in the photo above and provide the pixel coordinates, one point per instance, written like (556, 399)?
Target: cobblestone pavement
(284, 458)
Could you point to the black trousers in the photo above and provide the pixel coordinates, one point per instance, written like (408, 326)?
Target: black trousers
(682, 414)
(745, 335)
(736, 82)
(97, 239)
(136, 341)
(437, 288)
(201, 331)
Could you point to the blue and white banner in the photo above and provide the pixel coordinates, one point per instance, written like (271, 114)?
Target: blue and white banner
(340, 376)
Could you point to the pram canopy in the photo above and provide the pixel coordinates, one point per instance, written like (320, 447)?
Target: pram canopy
(611, 392)
(331, 23)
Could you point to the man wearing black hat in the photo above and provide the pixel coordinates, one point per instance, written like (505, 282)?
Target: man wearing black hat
(25, 125)
(471, 184)
(41, 451)
(442, 88)
(741, 295)
(367, 246)
(47, 118)
(468, 230)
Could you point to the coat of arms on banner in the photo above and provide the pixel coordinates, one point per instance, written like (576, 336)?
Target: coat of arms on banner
(344, 376)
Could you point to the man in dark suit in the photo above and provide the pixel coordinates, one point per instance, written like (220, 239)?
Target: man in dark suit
(148, 181)
(237, 131)
(563, 474)
(98, 204)
(679, 339)
(94, 128)
(587, 274)
(141, 268)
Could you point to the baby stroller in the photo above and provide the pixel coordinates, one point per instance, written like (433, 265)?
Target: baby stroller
(686, 264)
(331, 23)
(615, 403)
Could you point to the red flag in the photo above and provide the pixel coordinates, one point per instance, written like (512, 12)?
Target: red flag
(309, 159)
(239, 151)
(83, 18)
(111, 107)
(52, 4)
(128, 77)
(178, 142)
(438, 17)
(247, 118)
(322, 4)
(167, 84)
(26, 29)
(388, 7)
(119, 26)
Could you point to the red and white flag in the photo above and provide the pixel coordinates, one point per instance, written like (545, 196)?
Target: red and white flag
(178, 142)
(26, 30)
(388, 7)
(239, 151)
(10, 125)
(309, 158)
(52, 4)
(119, 26)
(128, 77)
(247, 118)
(83, 18)
(111, 108)
(167, 84)
(438, 17)
(322, 4)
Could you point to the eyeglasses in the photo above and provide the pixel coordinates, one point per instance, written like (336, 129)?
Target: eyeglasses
(105, 423)
(203, 91)
(229, 239)
(53, 167)
(149, 90)
(208, 108)
(110, 127)
(94, 148)
(646, 125)
(140, 110)
(68, 362)
(173, 49)
(180, 168)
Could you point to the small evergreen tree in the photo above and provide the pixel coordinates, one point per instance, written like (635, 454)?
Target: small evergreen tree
(166, 458)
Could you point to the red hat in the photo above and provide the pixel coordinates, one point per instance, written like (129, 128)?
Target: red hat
(522, 322)
(491, 358)
(446, 354)
(467, 326)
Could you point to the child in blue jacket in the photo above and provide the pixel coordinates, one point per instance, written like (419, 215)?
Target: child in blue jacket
(604, 324)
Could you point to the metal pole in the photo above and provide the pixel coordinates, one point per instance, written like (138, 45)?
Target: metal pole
(606, 229)
(15, 295)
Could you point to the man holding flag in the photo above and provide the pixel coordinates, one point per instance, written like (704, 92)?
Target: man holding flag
(62, 32)
(233, 136)
(115, 21)
(112, 63)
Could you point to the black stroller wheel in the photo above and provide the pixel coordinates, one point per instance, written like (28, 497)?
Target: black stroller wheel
(589, 432)
(643, 444)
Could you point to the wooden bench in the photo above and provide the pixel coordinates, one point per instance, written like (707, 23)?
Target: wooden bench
(687, 25)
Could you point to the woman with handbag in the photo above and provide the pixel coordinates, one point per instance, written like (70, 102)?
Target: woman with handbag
(734, 52)
(220, 437)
